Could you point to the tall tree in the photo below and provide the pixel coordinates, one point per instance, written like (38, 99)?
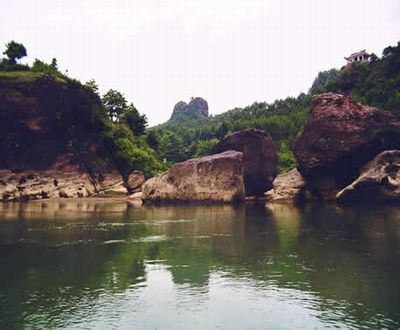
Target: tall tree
(115, 104)
(135, 120)
(15, 51)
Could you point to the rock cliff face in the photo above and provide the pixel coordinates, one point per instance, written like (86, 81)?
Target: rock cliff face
(49, 145)
(379, 180)
(340, 136)
(216, 178)
(260, 158)
(42, 118)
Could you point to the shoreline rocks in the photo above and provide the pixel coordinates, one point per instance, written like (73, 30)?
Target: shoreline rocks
(216, 178)
(62, 180)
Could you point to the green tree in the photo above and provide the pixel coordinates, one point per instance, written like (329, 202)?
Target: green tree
(15, 51)
(115, 104)
(153, 139)
(322, 80)
(135, 120)
(92, 85)
(50, 69)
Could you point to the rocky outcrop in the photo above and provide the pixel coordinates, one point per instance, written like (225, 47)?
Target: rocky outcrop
(379, 180)
(216, 178)
(287, 187)
(340, 136)
(197, 107)
(62, 180)
(135, 181)
(260, 158)
(43, 118)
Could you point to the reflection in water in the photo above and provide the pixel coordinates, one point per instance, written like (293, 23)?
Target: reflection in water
(103, 264)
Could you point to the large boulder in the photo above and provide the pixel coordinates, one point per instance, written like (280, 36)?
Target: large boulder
(340, 136)
(260, 158)
(379, 180)
(287, 187)
(216, 178)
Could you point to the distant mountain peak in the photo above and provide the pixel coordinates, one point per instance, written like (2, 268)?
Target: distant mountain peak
(194, 109)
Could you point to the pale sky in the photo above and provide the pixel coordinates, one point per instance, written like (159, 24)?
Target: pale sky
(230, 52)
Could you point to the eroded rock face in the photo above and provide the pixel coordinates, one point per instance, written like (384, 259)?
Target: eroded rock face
(216, 178)
(340, 136)
(40, 116)
(287, 187)
(135, 181)
(199, 104)
(62, 180)
(379, 180)
(260, 158)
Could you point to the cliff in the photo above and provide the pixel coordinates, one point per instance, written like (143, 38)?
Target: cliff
(51, 133)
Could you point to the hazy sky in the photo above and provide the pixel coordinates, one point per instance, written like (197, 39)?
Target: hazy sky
(231, 52)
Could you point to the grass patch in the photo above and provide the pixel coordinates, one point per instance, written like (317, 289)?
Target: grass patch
(26, 77)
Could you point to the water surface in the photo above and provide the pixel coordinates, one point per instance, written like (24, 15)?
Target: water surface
(92, 264)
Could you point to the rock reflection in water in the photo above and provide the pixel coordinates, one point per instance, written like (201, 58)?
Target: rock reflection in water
(101, 264)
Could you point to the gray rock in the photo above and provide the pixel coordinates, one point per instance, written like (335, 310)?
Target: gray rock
(379, 180)
(62, 180)
(216, 178)
(287, 187)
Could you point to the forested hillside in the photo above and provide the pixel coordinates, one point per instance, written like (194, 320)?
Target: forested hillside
(376, 83)
(180, 140)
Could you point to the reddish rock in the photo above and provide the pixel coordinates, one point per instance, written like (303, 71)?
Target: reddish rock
(135, 181)
(260, 158)
(340, 136)
(216, 178)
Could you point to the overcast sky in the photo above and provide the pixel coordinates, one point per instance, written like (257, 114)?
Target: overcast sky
(231, 52)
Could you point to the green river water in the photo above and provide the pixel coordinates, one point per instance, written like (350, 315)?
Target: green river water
(101, 265)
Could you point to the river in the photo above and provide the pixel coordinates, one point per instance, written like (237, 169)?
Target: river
(98, 264)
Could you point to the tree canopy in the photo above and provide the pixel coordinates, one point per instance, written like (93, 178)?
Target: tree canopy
(15, 51)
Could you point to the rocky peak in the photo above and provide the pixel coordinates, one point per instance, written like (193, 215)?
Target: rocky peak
(195, 108)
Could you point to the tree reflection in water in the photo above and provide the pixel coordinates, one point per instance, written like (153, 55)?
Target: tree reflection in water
(62, 260)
